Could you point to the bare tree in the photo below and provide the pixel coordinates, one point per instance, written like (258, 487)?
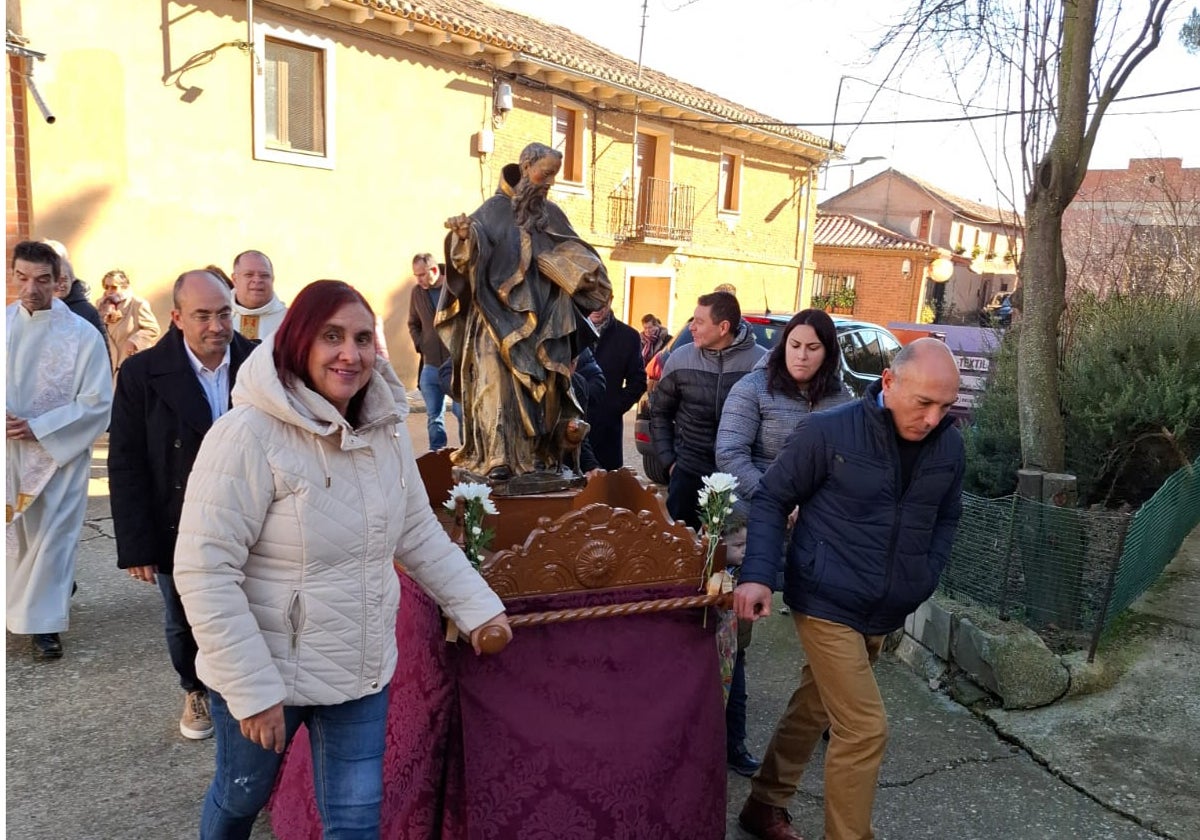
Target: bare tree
(1064, 61)
(1139, 236)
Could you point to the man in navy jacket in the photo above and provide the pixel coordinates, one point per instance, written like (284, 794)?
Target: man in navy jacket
(167, 398)
(877, 484)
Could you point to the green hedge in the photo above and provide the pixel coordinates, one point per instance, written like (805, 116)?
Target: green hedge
(1130, 396)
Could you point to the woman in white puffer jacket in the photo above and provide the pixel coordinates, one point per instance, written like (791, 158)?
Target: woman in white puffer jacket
(300, 498)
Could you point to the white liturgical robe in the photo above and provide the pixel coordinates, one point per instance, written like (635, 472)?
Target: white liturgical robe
(59, 380)
(259, 324)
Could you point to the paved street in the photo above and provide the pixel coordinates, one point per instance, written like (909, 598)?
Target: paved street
(93, 749)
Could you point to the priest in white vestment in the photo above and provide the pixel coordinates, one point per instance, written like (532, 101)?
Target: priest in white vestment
(57, 400)
(257, 312)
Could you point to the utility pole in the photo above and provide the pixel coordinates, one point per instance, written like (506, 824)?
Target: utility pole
(637, 105)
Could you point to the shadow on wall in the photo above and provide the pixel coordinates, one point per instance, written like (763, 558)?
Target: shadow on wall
(67, 223)
(395, 330)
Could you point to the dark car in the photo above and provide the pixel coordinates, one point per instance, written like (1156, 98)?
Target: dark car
(866, 350)
(998, 311)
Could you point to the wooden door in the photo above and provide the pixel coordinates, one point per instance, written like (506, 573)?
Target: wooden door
(648, 296)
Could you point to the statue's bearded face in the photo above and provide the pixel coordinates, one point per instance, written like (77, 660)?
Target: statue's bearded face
(529, 197)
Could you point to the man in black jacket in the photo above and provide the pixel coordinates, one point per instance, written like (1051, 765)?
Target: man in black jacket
(167, 398)
(618, 351)
(685, 410)
(878, 485)
(431, 351)
(71, 291)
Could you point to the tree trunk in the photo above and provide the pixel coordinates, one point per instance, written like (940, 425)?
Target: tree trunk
(1043, 271)
(1043, 281)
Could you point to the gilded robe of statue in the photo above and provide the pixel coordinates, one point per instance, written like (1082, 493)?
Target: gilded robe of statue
(514, 316)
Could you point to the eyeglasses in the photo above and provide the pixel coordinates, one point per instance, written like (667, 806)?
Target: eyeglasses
(223, 316)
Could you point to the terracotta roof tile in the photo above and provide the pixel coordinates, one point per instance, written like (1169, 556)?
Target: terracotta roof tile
(555, 44)
(840, 230)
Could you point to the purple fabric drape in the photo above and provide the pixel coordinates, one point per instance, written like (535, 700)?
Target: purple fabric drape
(606, 728)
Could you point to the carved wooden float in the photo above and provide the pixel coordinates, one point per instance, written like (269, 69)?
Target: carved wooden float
(611, 535)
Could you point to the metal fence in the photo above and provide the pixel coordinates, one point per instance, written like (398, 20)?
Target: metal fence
(1067, 572)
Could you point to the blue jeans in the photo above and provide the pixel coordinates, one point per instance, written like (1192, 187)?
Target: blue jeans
(735, 708)
(435, 407)
(347, 749)
(681, 496)
(181, 645)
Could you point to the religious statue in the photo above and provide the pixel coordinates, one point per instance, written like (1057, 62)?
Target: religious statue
(519, 286)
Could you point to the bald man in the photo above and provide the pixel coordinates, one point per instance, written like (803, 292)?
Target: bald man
(877, 483)
(167, 398)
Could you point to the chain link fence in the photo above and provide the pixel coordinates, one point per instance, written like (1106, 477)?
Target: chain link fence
(1067, 572)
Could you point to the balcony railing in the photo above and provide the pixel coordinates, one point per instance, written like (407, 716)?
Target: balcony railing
(665, 211)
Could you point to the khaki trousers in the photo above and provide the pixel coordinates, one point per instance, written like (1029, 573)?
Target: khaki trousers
(837, 690)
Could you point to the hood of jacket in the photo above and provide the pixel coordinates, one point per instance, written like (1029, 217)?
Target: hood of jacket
(258, 385)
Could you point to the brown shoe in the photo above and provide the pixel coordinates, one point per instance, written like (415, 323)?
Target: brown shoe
(196, 722)
(767, 822)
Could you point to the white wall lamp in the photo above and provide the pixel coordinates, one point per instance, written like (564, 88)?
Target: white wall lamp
(502, 104)
(941, 270)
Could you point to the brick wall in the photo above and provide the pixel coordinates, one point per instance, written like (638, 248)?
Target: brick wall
(883, 294)
(16, 190)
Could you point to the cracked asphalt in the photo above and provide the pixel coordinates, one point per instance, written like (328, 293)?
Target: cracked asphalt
(93, 749)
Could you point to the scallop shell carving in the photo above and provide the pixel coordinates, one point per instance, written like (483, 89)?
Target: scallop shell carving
(597, 563)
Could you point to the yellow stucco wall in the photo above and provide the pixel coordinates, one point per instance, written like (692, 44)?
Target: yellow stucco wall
(152, 169)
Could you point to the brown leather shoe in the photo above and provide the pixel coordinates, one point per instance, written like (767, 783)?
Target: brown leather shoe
(767, 822)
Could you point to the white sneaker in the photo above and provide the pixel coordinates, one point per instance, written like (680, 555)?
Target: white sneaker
(196, 722)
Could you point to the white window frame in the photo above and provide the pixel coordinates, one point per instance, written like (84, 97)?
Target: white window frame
(581, 140)
(262, 151)
(739, 165)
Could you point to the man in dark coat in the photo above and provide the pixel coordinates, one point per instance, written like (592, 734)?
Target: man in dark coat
(167, 398)
(618, 352)
(431, 352)
(74, 294)
(878, 485)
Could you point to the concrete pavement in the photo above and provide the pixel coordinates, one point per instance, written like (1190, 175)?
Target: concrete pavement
(93, 749)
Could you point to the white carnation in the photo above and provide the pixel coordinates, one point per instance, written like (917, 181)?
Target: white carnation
(720, 482)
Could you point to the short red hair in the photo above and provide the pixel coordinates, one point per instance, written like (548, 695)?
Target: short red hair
(308, 313)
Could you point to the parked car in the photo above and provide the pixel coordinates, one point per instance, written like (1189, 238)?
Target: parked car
(998, 311)
(866, 350)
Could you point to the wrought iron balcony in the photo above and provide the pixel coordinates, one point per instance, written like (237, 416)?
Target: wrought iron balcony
(665, 211)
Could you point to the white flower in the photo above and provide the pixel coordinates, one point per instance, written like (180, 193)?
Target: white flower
(489, 506)
(720, 482)
(477, 531)
(702, 497)
(449, 504)
(470, 490)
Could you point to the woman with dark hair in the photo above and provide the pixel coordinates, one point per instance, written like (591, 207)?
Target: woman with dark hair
(301, 498)
(801, 374)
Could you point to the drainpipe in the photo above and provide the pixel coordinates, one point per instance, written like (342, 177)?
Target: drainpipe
(805, 236)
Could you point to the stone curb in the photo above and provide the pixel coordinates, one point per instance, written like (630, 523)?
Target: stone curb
(1007, 659)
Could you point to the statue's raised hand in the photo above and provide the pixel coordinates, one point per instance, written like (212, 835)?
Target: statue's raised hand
(460, 225)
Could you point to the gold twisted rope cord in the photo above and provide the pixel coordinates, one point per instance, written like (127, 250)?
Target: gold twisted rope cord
(725, 601)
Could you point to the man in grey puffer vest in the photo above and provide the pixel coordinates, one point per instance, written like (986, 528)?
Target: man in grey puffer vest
(685, 411)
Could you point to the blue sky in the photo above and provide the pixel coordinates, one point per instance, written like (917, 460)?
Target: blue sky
(768, 58)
